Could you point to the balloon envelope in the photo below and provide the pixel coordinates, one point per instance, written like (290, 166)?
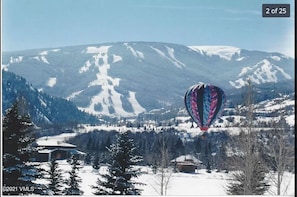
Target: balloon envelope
(204, 103)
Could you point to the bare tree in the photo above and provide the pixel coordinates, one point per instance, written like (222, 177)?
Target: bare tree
(281, 151)
(163, 174)
(249, 179)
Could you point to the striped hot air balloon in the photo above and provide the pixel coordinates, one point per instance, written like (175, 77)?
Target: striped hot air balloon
(204, 103)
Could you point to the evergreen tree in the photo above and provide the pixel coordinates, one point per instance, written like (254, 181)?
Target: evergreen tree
(87, 159)
(55, 178)
(257, 183)
(18, 171)
(118, 179)
(221, 157)
(74, 179)
(155, 167)
(203, 146)
(96, 163)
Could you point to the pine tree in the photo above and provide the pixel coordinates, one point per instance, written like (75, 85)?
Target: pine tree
(204, 146)
(221, 157)
(74, 179)
(257, 185)
(96, 163)
(87, 159)
(18, 171)
(118, 179)
(55, 178)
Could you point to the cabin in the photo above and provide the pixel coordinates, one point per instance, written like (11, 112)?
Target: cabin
(49, 150)
(186, 163)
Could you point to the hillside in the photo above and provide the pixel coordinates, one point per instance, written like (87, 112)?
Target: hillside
(42, 108)
(128, 78)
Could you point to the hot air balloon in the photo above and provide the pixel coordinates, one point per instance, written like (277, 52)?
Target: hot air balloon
(204, 103)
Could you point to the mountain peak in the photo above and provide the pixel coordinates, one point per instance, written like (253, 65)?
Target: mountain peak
(225, 52)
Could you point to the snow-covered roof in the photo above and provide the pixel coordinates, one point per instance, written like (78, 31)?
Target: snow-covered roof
(184, 158)
(54, 143)
(77, 152)
(45, 151)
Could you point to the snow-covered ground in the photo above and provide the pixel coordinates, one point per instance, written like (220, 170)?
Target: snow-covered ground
(198, 183)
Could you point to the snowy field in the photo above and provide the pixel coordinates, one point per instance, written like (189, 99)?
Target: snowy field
(182, 184)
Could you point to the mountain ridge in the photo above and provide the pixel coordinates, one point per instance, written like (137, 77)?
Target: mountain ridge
(128, 78)
(42, 108)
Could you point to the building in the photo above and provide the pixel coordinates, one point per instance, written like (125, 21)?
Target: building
(56, 150)
(186, 163)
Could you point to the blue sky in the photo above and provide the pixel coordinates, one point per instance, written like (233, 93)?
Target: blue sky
(32, 24)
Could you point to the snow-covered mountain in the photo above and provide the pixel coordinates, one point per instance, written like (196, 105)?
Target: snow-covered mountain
(128, 78)
(42, 108)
